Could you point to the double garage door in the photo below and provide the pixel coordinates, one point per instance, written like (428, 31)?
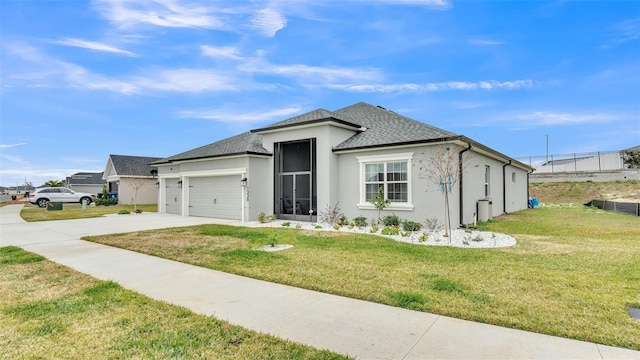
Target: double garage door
(215, 196)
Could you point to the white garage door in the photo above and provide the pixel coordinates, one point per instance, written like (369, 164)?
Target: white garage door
(173, 197)
(216, 196)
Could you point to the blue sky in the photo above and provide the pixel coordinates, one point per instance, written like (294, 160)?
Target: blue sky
(80, 80)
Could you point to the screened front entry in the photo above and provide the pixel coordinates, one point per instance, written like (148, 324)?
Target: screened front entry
(295, 180)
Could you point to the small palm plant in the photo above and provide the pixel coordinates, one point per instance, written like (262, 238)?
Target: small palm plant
(379, 201)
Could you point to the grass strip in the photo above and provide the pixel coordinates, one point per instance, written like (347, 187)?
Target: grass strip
(50, 311)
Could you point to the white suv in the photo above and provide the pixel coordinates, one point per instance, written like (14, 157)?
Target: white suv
(42, 196)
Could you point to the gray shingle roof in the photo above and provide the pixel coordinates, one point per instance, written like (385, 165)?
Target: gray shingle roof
(383, 128)
(245, 143)
(318, 115)
(85, 178)
(126, 165)
(386, 127)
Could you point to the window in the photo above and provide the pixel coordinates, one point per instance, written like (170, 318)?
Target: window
(487, 181)
(392, 173)
(391, 176)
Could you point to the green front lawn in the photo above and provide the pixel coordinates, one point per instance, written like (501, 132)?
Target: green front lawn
(50, 311)
(572, 274)
(74, 211)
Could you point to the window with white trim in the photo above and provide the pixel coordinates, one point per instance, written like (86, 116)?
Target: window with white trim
(392, 173)
(487, 180)
(391, 176)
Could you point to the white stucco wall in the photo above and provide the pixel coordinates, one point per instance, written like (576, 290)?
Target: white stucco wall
(147, 192)
(327, 136)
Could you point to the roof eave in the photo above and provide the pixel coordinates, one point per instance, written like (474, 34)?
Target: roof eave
(344, 123)
(210, 157)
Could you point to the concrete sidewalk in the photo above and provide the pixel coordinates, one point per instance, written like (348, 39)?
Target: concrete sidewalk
(353, 327)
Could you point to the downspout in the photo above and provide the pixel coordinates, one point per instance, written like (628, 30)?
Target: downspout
(528, 185)
(460, 170)
(504, 187)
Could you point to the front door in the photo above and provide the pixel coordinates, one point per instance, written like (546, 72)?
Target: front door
(295, 190)
(295, 202)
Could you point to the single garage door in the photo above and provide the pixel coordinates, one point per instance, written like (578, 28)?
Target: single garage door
(173, 197)
(215, 196)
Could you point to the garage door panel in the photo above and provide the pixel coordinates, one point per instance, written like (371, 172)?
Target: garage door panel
(173, 199)
(216, 196)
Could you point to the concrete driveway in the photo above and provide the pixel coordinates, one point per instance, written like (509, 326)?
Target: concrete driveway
(347, 326)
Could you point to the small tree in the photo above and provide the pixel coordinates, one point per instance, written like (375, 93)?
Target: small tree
(443, 169)
(380, 202)
(136, 184)
(631, 159)
(54, 183)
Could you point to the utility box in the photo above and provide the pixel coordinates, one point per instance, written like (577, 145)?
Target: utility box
(484, 208)
(54, 206)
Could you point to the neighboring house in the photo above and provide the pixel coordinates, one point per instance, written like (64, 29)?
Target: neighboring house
(322, 158)
(86, 182)
(124, 174)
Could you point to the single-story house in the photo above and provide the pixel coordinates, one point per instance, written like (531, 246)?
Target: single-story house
(86, 182)
(307, 164)
(131, 179)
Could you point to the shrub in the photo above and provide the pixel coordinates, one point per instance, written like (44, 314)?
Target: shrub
(138, 211)
(360, 221)
(391, 220)
(124, 212)
(106, 201)
(432, 224)
(424, 237)
(330, 215)
(390, 230)
(411, 226)
(286, 223)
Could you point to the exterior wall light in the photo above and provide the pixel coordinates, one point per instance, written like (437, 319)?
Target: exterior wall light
(243, 182)
(179, 184)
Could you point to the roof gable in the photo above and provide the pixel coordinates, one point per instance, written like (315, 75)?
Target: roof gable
(312, 117)
(245, 143)
(125, 165)
(85, 178)
(384, 127)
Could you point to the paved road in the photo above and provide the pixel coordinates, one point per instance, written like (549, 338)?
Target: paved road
(353, 327)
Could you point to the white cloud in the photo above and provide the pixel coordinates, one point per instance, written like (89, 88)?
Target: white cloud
(220, 52)
(164, 13)
(438, 4)
(187, 80)
(625, 31)
(485, 42)
(6, 146)
(316, 73)
(268, 21)
(236, 115)
(442, 86)
(92, 45)
(542, 118)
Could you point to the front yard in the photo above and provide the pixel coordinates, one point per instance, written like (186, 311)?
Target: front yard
(573, 272)
(50, 311)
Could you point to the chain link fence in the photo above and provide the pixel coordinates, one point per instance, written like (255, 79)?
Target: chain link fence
(575, 162)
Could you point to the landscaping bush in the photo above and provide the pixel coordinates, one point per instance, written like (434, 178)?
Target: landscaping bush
(106, 201)
(390, 230)
(411, 226)
(360, 221)
(391, 220)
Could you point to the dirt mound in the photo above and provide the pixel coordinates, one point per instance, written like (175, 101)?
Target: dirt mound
(583, 192)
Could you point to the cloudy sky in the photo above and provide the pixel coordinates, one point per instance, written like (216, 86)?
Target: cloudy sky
(80, 80)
